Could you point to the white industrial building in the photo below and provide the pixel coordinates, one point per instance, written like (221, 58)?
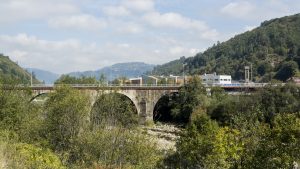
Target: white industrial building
(216, 79)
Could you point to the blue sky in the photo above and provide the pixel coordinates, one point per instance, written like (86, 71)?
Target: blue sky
(75, 35)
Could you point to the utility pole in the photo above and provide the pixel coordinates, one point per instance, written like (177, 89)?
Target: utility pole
(31, 78)
(183, 75)
(251, 78)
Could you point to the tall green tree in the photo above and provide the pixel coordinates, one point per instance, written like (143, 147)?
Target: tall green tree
(67, 79)
(66, 115)
(287, 70)
(279, 146)
(191, 95)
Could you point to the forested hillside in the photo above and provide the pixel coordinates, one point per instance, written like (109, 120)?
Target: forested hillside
(130, 69)
(273, 49)
(11, 70)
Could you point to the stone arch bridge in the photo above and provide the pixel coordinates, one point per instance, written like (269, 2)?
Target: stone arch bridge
(143, 97)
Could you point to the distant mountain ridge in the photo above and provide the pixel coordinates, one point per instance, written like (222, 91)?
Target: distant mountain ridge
(130, 69)
(273, 49)
(44, 76)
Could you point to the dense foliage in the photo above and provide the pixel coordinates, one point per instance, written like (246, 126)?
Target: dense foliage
(174, 67)
(261, 130)
(60, 134)
(273, 49)
(67, 79)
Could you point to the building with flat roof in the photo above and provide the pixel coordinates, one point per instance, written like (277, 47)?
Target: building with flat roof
(214, 78)
(136, 81)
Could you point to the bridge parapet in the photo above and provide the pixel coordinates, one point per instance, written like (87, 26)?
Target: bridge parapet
(238, 85)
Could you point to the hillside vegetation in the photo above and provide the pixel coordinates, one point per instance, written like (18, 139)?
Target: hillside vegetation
(10, 70)
(273, 49)
(130, 69)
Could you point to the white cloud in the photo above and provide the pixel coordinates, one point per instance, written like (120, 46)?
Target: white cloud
(238, 9)
(57, 56)
(177, 50)
(139, 5)
(183, 51)
(124, 45)
(129, 28)
(18, 54)
(16, 10)
(194, 51)
(210, 34)
(82, 22)
(175, 20)
(156, 51)
(249, 28)
(116, 11)
(71, 55)
(259, 11)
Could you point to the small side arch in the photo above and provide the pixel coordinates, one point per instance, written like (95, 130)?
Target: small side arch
(38, 95)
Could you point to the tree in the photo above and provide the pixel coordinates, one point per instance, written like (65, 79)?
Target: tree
(115, 148)
(194, 144)
(67, 79)
(21, 155)
(287, 70)
(190, 96)
(66, 115)
(205, 145)
(264, 68)
(102, 79)
(15, 107)
(278, 147)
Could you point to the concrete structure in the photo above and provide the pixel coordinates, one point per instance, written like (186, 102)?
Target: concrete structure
(216, 79)
(247, 74)
(136, 81)
(176, 79)
(144, 79)
(154, 80)
(150, 79)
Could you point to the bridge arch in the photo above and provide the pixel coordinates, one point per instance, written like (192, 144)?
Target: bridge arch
(96, 94)
(113, 108)
(162, 109)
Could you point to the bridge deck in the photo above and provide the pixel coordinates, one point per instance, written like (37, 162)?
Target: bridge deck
(148, 86)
